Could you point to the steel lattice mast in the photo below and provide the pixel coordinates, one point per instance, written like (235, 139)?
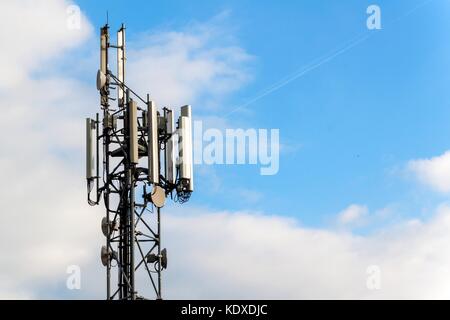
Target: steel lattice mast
(131, 133)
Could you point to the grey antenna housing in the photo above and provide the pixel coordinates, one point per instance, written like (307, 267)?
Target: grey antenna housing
(185, 149)
(133, 132)
(170, 157)
(153, 143)
(90, 148)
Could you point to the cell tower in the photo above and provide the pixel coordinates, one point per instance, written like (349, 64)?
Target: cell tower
(136, 139)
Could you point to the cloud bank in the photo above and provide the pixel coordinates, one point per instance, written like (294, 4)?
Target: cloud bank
(189, 66)
(433, 172)
(44, 223)
(245, 255)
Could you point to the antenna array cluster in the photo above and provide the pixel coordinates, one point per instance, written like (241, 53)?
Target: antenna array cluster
(145, 155)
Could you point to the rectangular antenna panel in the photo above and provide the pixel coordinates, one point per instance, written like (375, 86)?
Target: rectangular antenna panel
(186, 111)
(90, 144)
(104, 61)
(170, 148)
(153, 143)
(133, 131)
(121, 63)
(185, 146)
(103, 49)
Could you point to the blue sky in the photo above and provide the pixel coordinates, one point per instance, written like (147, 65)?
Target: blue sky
(350, 124)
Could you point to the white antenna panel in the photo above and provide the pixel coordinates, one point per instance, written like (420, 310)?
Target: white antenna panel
(90, 154)
(103, 50)
(153, 144)
(185, 147)
(170, 148)
(132, 118)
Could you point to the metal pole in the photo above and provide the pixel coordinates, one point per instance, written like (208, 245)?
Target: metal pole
(106, 142)
(158, 233)
(125, 208)
(131, 214)
(129, 209)
(159, 297)
(132, 232)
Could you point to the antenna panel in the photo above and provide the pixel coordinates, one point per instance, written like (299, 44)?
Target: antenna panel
(103, 49)
(132, 118)
(90, 153)
(170, 148)
(104, 39)
(185, 148)
(153, 144)
(186, 111)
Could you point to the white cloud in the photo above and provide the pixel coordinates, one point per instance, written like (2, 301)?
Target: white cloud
(433, 172)
(44, 224)
(33, 32)
(189, 66)
(244, 255)
(352, 214)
